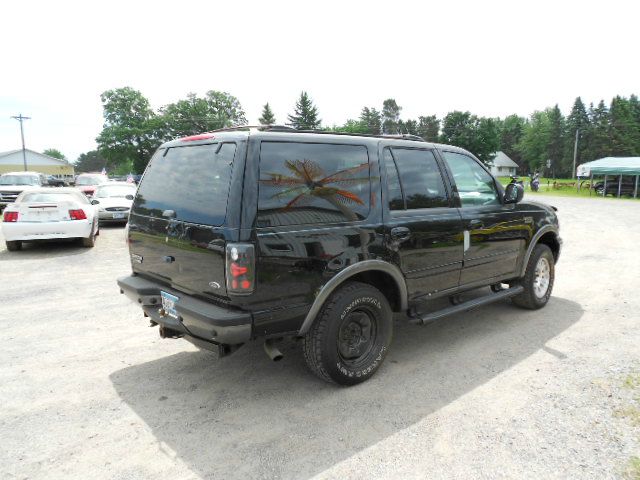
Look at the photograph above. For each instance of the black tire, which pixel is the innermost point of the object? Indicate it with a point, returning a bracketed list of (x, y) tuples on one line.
[(535, 295), (90, 241), (350, 337), (14, 245)]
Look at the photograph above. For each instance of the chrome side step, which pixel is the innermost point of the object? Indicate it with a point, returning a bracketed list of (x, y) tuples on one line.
[(466, 306)]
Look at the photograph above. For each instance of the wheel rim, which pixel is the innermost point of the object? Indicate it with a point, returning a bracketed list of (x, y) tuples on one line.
[(542, 277), (357, 336)]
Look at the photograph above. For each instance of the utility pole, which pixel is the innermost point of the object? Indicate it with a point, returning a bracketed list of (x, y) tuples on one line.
[(575, 154), (20, 118)]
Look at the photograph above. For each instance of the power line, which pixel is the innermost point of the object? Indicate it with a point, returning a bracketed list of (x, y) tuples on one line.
[(21, 118)]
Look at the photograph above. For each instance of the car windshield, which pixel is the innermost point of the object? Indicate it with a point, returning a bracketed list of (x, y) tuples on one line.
[(106, 191), (19, 180), (90, 180), (38, 197)]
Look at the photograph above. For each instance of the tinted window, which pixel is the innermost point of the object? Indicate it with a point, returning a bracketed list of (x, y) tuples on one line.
[(475, 185), (396, 199), (420, 178), (303, 183), (192, 181)]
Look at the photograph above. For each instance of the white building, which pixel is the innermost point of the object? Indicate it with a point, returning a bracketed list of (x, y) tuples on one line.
[(502, 165), (12, 161)]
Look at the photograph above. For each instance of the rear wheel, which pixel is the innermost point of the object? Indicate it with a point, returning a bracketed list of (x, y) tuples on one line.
[(14, 245), (350, 338), (538, 279), (90, 241)]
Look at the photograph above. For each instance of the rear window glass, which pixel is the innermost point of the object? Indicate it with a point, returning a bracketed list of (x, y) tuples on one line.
[(91, 180), (19, 180), (115, 191), (48, 197), (307, 183), (192, 181)]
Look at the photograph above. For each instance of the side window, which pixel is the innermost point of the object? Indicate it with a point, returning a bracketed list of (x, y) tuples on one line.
[(475, 186), (307, 183), (420, 179), (396, 199)]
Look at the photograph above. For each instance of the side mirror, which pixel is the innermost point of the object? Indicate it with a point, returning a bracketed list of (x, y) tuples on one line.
[(129, 197), (513, 193), (94, 202)]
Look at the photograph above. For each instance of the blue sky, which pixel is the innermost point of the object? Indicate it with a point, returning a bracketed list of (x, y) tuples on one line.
[(492, 58)]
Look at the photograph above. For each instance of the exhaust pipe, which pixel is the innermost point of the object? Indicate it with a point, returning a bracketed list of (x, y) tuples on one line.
[(272, 351)]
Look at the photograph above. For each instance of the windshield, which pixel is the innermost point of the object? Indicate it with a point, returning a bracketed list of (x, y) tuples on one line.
[(90, 180), (19, 180), (115, 191)]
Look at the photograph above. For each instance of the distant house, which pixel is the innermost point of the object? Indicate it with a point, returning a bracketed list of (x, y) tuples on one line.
[(13, 161), (502, 165)]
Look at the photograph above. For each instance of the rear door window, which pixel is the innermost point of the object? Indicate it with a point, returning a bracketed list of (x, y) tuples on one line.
[(420, 179), (307, 183), (193, 181)]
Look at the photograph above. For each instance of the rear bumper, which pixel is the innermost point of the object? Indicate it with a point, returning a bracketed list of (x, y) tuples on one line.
[(108, 216), (46, 230), (196, 318)]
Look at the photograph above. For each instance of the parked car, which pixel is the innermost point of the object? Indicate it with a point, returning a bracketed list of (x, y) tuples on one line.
[(114, 200), (56, 182), (44, 214), (13, 184), (270, 232), (87, 182), (626, 188)]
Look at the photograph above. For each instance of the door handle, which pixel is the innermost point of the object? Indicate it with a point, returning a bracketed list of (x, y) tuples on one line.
[(400, 233), (476, 224)]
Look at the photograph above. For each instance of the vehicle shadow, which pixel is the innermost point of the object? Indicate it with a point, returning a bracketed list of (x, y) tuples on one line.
[(245, 417), (45, 248)]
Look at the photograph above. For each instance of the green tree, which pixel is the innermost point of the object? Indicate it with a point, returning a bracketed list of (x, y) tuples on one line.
[(55, 153), (195, 115), (130, 130), (534, 142), (429, 128), (598, 142), (556, 143), (577, 121), (410, 127), (305, 116), (624, 130), (267, 118), (511, 131), (390, 116), (372, 119), (351, 126), (91, 161)]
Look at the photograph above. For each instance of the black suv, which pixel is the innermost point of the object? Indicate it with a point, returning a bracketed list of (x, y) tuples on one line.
[(268, 232)]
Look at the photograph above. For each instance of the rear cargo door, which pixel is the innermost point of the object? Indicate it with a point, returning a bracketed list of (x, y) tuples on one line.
[(176, 231)]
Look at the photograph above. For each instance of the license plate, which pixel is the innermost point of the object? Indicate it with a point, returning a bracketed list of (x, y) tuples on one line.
[(118, 215), (169, 304)]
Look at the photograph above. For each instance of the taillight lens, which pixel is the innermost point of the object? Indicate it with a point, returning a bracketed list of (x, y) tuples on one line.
[(77, 214), (240, 264), (10, 216)]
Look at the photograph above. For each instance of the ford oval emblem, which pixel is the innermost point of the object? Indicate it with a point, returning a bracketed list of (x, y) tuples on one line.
[(214, 284)]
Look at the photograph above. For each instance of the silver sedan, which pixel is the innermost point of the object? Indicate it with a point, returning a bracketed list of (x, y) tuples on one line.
[(113, 201)]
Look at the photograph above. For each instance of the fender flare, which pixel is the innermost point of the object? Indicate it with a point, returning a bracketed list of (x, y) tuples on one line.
[(534, 241), (337, 280)]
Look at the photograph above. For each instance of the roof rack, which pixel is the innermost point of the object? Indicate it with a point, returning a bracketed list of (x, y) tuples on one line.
[(286, 128)]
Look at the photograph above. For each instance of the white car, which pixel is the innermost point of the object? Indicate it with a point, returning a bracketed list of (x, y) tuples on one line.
[(114, 200), (47, 213)]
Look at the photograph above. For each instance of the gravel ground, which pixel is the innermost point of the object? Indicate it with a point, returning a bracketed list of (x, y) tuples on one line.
[(88, 391)]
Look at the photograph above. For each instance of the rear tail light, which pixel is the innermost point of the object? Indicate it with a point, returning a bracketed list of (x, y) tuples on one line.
[(10, 216), (77, 214), (240, 267)]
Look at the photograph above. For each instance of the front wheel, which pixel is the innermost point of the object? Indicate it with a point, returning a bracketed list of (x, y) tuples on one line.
[(14, 245), (538, 279), (351, 335)]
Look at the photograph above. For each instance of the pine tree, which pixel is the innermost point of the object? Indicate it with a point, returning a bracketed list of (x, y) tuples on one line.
[(390, 116), (556, 145), (372, 119), (267, 117), (511, 131), (305, 116), (577, 121), (598, 143), (624, 131), (429, 128)]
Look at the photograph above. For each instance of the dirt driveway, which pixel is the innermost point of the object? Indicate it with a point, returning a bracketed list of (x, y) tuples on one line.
[(89, 391)]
